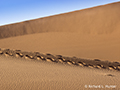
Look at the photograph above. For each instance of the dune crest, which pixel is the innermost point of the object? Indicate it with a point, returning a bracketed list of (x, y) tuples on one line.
[(96, 63), (103, 19), (32, 57)]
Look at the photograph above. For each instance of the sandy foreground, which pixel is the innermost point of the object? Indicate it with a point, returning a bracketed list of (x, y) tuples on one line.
[(21, 74)]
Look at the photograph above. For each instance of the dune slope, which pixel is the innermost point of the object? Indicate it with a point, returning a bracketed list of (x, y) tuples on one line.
[(90, 33), (104, 47), (103, 19), (20, 74), (87, 33)]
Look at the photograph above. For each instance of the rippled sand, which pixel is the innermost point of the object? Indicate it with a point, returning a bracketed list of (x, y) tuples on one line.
[(72, 51)]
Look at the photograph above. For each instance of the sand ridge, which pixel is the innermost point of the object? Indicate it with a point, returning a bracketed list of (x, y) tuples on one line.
[(96, 63), (97, 20), (89, 33), (36, 62), (103, 47)]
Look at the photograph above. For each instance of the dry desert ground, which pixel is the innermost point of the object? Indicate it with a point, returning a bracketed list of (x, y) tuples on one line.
[(79, 50)]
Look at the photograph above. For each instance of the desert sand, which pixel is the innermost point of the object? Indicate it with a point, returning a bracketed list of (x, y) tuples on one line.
[(20, 74), (104, 47), (71, 51), (98, 20)]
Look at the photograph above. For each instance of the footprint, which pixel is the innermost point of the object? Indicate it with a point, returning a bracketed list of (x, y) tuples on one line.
[(17, 55), (90, 66), (118, 67), (38, 58), (111, 75), (6, 55), (20, 54), (42, 58), (49, 60), (112, 68), (70, 63), (60, 60), (97, 60), (80, 64), (1, 52)]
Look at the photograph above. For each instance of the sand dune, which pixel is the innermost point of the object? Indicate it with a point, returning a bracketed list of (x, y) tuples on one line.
[(103, 47), (103, 19), (72, 51), (88, 33), (96, 63), (22, 74)]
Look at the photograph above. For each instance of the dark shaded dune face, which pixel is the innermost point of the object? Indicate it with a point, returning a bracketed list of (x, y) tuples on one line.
[(98, 20)]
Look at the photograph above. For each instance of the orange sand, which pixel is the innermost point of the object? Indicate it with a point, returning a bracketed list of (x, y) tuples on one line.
[(20, 74), (89, 33)]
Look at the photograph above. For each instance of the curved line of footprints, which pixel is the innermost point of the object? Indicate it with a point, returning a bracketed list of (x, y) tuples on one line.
[(96, 63)]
